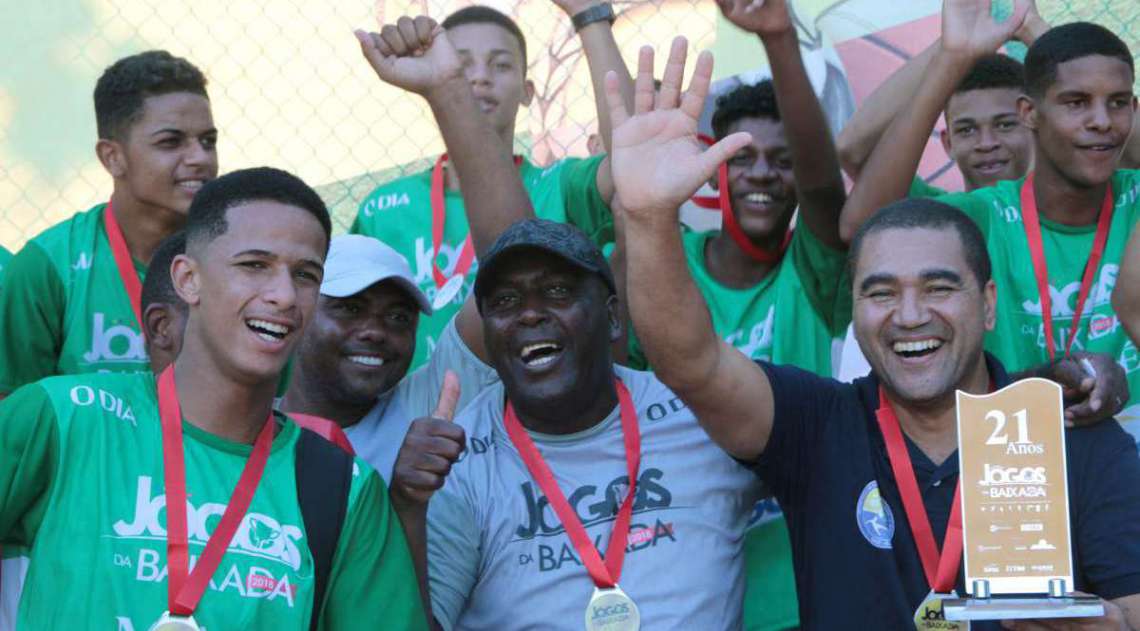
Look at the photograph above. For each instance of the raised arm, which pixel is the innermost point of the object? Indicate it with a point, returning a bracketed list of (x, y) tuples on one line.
[(658, 163), (861, 133), (415, 54), (815, 164), (1126, 295), (968, 33)]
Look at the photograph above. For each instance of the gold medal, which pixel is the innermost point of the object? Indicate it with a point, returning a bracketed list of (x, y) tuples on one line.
[(612, 610), (168, 622), (930, 617)]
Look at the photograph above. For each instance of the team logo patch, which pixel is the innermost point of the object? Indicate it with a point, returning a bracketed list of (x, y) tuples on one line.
[(874, 517)]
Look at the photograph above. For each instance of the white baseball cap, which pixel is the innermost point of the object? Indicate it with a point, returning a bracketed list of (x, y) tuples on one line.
[(356, 262)]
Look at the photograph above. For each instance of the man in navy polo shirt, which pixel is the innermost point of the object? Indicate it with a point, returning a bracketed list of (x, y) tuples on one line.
[(923, 299)]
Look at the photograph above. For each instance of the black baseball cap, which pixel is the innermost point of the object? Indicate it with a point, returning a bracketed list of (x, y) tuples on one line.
[(560, 239)]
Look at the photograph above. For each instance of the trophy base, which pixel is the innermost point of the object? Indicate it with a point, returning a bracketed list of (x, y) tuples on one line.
[(1004, 608)]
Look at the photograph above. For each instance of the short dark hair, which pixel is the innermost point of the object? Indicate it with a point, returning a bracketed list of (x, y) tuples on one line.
[(158, 288), (1066, 43), (994, 71), (126, 84), (479, 14), (926, 213), (206, 219), (744, 101)]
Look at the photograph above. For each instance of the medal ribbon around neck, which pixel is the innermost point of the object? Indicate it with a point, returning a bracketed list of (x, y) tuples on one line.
[(941, 571), (723, 203), (1032, 221), (123, 261), (439, 218), (185, 587), (605, 575)]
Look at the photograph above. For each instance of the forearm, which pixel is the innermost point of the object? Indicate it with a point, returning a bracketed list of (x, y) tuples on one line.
[(892, 165), (493, 192), (1126, 294), (815, 163), (602, 55), (862, 132)]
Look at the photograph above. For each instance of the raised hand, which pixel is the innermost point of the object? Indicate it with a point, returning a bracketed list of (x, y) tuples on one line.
[(432, 445), (968, 27), (657, 160), (413, 54), (1095, 387), (763, 17)]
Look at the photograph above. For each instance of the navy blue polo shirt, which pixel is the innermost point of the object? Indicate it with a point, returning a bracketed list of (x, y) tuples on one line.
[(856, 563)]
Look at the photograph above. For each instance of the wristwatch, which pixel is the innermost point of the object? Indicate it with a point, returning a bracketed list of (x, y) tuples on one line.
[(597, 13)]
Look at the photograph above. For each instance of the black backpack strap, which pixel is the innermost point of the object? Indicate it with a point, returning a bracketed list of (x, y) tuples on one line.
[(324, 475)]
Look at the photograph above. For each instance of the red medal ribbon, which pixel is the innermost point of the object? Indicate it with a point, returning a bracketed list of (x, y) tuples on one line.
[(185, 587), (941, 571), (723, 203), (1032, 221), (123, 261), (605, 575), (439, 218)]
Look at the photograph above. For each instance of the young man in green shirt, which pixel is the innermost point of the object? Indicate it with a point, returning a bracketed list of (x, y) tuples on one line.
[(773, 293), (256, 242), (67, 305), (1075, 210), (402, 213), (983, 135)]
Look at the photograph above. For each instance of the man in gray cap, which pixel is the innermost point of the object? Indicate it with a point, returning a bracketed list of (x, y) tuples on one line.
[(352, 364)]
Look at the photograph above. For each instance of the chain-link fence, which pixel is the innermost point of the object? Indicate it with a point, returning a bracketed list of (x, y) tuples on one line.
[(289, 88)]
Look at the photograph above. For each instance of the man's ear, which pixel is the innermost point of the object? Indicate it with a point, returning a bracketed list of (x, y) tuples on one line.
[(186, 275), (989, 296), (1027, 111), (157, 322), (112, 156), (528, 92), (613, 313), (944, 136)]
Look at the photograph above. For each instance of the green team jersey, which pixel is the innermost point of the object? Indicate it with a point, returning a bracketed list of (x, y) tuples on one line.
[(1018, 338), (81, 465), (64, 309), (399, 214), (5, 256), (810, 288), (920, 188)]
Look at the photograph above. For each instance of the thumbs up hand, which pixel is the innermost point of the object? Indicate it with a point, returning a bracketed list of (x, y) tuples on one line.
[(432, 445)]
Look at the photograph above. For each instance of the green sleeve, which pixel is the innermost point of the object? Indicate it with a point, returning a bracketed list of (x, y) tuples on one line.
[(920, 188), (822, 271), (32, 306), (372, 574), (585, 207), (976, 207), (5, 256), (29, 449)]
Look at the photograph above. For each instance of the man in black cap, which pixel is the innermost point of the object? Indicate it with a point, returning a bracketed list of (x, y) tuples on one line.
[(570, 458)]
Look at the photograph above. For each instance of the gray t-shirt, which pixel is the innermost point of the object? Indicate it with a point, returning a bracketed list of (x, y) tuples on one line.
[(499, 558), (378, 436)]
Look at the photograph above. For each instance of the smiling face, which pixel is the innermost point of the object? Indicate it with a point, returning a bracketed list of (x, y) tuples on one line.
[(920, 314), (359, 346), (493, 63), (547, 327), (252, 289), (985, 137), (165, 157), (1083, 120), (760, 181)]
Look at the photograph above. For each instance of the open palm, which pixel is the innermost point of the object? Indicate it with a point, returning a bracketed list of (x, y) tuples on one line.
[(969, 26), (415, 55), (657, 160)]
